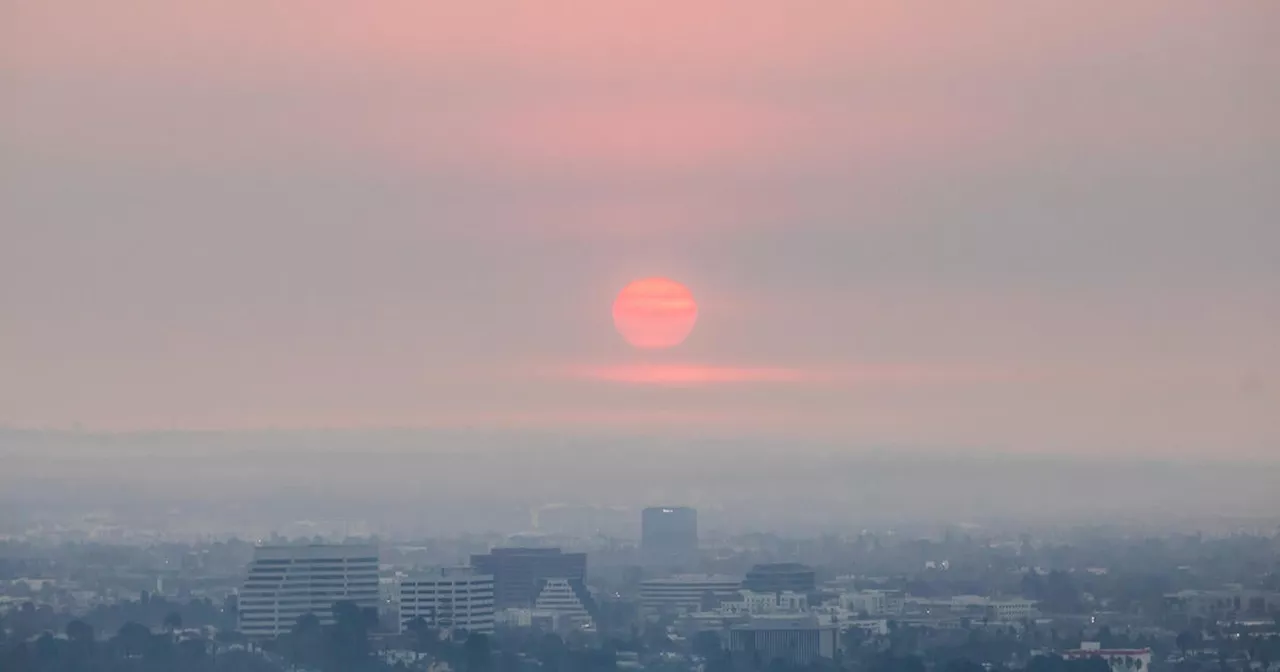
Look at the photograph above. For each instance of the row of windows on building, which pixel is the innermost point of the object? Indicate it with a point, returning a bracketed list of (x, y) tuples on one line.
[(313, 561)]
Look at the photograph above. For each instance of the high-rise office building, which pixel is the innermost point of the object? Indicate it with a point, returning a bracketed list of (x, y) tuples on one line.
[(519, 572), (286, 582), (669, 535), (452, 598)]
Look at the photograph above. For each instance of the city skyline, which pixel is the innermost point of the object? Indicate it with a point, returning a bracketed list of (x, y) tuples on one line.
[(627, 336)]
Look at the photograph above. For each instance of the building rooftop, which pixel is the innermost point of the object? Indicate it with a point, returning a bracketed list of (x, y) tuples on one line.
[(438, 573), (780, 567), (525, 550), (783, 621), (693, 578), (344, 551)]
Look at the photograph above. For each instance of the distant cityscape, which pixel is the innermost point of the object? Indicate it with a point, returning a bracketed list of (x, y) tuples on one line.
[(953, 597), (639, 336)]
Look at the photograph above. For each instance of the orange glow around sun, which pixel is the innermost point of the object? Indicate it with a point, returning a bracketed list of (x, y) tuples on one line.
[(655, 313)]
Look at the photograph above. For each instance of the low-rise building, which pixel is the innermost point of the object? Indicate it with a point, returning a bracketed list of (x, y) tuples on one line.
[(688, 592), (1224, 603), (1010, 611), (514, 617), (874, 602), (796, 640), (1119, 659), (973, 607), (752, 602)]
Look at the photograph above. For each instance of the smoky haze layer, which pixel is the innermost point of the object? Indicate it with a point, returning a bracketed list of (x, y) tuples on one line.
[(983, 224), (448, 482)]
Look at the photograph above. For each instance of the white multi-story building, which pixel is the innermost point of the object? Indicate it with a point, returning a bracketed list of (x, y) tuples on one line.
[(798, 640), (1118, 659), (452, 598), (791, 602), (687, 592), (1011, 611), (974, 607), (751, 602), (874, 602), (286, 582)]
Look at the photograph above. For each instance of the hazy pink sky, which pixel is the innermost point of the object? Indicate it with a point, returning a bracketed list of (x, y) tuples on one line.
[(1029, 227)]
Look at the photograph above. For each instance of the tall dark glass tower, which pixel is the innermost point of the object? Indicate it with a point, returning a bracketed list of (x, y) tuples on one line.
[(518, 572), (669, 535)]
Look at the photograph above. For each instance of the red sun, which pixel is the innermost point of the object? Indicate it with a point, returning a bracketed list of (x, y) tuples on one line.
[(655, 313)]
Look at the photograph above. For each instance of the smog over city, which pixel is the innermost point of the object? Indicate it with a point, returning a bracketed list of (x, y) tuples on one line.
[(755, 336)]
